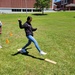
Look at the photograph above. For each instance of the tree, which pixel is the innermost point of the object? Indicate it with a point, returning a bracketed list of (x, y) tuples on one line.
[(42, 4)]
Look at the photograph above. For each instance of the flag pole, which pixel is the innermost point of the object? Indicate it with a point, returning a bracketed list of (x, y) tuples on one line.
[(26, 6)]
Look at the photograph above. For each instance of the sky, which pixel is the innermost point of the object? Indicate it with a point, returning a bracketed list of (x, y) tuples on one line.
[(57, 0)]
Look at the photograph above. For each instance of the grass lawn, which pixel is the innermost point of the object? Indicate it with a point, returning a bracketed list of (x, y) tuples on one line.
[(55, 35)]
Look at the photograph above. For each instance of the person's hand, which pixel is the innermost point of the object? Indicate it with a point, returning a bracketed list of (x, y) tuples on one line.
[(19, 20), (36, 28)]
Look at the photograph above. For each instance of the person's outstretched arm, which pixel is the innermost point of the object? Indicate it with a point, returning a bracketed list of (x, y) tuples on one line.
[(34, 29), (20, 24)]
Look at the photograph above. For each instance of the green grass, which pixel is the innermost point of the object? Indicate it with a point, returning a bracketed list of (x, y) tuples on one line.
[(55, 35)]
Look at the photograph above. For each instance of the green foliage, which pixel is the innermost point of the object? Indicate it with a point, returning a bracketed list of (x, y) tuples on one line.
[(42, 4)]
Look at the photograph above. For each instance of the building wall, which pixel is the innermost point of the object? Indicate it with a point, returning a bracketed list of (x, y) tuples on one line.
[(17, 3), (7, 6), (22, 3), (5, 3), (61, 5), (74, 1)]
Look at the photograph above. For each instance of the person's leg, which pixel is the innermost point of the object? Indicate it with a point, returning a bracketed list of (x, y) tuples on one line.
[(29, 42), (34, 41), (36, 44), (23, 50)]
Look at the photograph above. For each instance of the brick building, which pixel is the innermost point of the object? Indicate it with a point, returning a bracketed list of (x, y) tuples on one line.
[(8, 6), (64, 5)]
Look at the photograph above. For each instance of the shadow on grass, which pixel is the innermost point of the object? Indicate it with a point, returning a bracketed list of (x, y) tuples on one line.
[(26, 54), (74, 17), (39, 14), (20, 52)]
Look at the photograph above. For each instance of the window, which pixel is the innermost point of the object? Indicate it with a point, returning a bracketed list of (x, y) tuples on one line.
[(63, 2), (24, 10), (16, 10), (36, 10)]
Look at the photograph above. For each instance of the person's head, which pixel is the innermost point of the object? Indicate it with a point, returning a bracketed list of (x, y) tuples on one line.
[(29, 19)]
